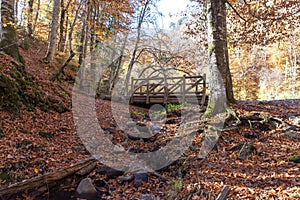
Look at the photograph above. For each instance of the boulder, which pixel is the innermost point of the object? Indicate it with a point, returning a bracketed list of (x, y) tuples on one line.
[(139, 178), (86, 190)]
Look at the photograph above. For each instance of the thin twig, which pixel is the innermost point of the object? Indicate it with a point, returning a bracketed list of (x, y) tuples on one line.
[(236, 12)]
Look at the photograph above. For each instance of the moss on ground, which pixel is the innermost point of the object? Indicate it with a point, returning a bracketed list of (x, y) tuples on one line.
[(18, 89)]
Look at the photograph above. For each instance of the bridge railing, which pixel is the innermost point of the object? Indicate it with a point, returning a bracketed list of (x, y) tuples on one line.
[(167, 88)]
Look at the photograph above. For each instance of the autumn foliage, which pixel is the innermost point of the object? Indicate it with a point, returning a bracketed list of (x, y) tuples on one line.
[(38, 135)]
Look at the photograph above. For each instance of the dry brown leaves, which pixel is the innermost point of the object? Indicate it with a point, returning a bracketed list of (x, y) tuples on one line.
[(41, 142)]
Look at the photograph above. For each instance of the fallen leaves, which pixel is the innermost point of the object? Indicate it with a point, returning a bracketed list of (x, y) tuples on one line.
[(42, 142)]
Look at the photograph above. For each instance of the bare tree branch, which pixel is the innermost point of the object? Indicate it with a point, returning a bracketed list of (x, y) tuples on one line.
[(236, 12)]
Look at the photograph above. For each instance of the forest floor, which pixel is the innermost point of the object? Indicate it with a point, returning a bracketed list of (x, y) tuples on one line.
[(38, 142)]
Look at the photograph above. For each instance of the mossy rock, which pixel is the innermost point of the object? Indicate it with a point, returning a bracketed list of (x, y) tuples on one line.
[(295, 159), (14, 92), (9, 95)]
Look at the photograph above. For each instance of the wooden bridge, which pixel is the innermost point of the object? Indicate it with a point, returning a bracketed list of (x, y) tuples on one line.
[(191, 89)]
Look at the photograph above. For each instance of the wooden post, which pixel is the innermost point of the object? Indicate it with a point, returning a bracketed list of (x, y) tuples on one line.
[(147, 98), (184, 87), (204, 90), (197, 86), (166, 94)]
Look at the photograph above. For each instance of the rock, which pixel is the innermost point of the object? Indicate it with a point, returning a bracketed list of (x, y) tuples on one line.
[(147, 197), (111, 173), (295, 159), (94, 145), (192, 148), (130, 124), (296, 120), (156, 127), (139, 135), (119, 149), (142, 128), (246, 150), (139, 178), (133, 136), (110, 130), (292, 135), (123, 179), (86, 190)]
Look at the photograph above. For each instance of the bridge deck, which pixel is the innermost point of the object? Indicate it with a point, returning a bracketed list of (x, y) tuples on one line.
[(190, 89)]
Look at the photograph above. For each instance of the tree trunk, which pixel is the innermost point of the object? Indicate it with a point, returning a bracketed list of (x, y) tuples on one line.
[(29, 18), (62, 31), (36, 16), (54, 27), (138, 37), (8, 37), (72, 27), (220, 83), (84, 42), (61, 26)]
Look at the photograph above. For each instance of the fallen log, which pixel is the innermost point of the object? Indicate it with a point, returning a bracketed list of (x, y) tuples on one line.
[(45, 179)]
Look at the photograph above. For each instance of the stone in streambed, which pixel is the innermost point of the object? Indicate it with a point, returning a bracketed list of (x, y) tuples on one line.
[(139, 178), (86, 190)]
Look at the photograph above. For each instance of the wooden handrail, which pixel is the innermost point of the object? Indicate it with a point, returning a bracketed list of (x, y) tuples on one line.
[(160, 87), (159, 78)]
